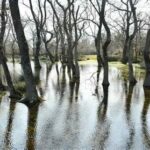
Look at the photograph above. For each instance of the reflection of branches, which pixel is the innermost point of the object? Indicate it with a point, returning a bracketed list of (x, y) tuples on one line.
[(33, 112), (56, 86), (77, 90), (9, 126), (72, 86), (144, 115), (49, 68), (38, 81), (102, 110), (63, 82)]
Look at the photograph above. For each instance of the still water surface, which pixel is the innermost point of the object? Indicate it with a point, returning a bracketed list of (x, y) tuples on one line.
[(74, 116)]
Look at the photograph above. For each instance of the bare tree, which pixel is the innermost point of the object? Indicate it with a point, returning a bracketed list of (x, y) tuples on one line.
[(132, 79), (98, 11), (39, 23), (2, 56), (102, 58), (130, 29), (46, 41), (126, 10), (57, 38), (31, 92), (61, 31)]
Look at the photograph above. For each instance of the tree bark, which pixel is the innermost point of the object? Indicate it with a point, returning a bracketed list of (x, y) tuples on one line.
[(124, 55), (2, 56), (51, 57), (97, 45), (2, 87), (105, 47), (37, 52), (132, 79), (147, 60), (31, 92)]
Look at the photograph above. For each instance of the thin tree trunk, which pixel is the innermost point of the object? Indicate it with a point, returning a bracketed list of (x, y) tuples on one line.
[(62, 38), (13, 52), (38, 37), (2, 56), (132, 79), (51, 57), (37, 51), (56, 51), (2, 87), (7, 74), (98, 46), (124, 55)]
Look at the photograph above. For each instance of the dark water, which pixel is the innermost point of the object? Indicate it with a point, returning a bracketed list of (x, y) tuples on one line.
[(74, 117)]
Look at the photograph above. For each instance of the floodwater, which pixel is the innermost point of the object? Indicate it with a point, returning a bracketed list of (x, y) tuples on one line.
[(73, 116)]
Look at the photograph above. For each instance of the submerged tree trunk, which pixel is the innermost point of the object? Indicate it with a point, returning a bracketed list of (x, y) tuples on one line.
[(147, 60), (31, 92), (132, 79), (124, 55)]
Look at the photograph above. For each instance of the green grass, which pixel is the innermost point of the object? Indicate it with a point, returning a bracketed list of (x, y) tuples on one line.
[(87, 57), (2, 93), (139, 72), (20, 86)]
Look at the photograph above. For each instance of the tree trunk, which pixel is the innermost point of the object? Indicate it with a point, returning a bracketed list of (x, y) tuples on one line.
[(51, 57), (2, 87), (31, 92), (77, 69), (147, 60), (38, 37), (105, 47), (62, 38), (36, 53), (97, 45), (2, 56), (56, 51), (7, 74), (132, 79), (124, 59), (13, 52)]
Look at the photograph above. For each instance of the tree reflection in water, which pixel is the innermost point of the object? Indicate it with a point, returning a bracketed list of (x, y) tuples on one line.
[(72, 117), (145, 129), (128, 116)]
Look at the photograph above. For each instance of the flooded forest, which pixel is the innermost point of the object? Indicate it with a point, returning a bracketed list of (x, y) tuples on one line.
[(74, 75)]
